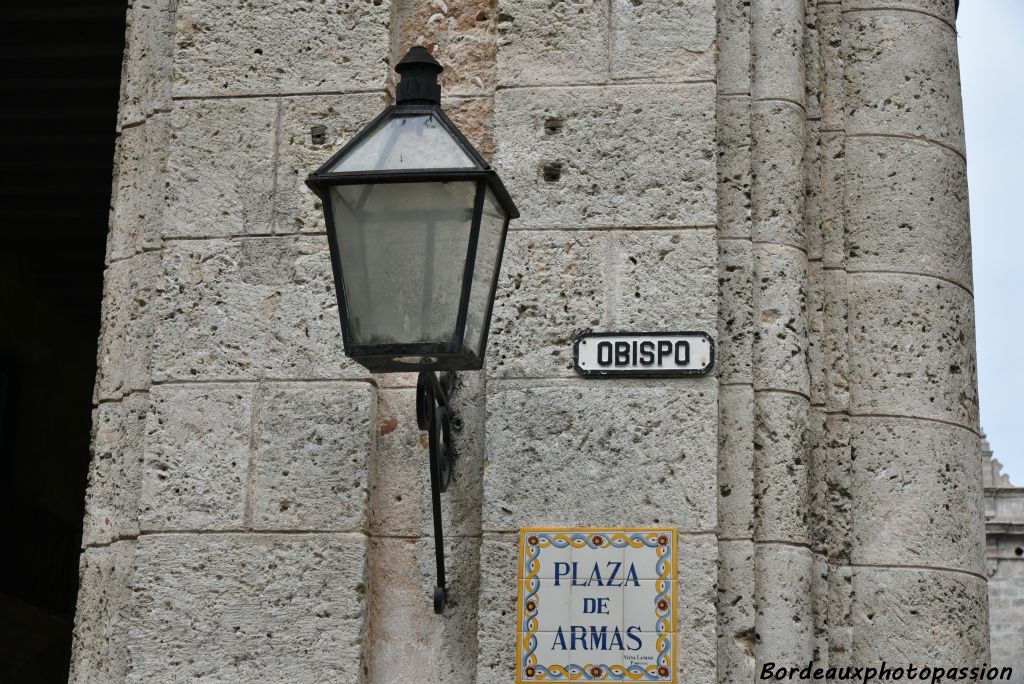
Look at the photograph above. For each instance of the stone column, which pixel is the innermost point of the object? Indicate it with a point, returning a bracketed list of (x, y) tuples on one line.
[(918, 580)]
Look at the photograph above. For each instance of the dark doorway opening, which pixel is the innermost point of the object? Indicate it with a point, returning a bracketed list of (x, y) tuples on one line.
[(60, 69)]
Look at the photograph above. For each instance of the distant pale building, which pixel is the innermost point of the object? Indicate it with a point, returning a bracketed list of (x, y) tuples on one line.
[(1004, 532)]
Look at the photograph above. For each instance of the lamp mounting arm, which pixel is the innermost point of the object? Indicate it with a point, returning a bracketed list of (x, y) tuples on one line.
[(434, 414)]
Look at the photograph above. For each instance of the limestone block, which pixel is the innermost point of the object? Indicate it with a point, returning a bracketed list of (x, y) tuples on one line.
[(232, 607), (734, 346), (408, 642), (146, 71), (917, 494), (220, 168), (833, 468), (893, 90), (548, 43), (312, 442), (496, 631), (400, 502), (639, 155), (736, 637), (777, 50), (736, 461), (115, 470), (918, 616), (673, 40), (127, 326), (907, 209), (734, 172), (784, 618), (698, 616), (840, 612), (665, 280), (943, 9), (196, 458), (250, 308), (779, 130), (474, 117), (780, 319), (138, 192), (816, 332), (817, 483), (833, 200), (830, 30), (296, 208), (812, 63), (645, 453), (814, 239), (552, 286), (461, 36), (266, 47), (99, 649), (781, 467), (912, 348), (734, 47), (834, 340), (821, 607)]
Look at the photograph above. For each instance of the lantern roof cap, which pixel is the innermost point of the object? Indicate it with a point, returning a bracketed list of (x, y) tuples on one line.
[(419, 72)]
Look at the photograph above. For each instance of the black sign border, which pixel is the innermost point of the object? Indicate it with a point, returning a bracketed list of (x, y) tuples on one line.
[(675, 373)]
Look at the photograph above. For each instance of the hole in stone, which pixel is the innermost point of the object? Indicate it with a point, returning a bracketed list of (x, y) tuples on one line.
[(1019, 551), (552, 172), (318, 134), (553, 126)]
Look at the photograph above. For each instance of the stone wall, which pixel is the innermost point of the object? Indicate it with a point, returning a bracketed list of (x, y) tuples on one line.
[(1004, 533), (787, 175)]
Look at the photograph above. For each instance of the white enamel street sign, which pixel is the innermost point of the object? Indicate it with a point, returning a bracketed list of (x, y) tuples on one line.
[(638, 354), (597, 605)]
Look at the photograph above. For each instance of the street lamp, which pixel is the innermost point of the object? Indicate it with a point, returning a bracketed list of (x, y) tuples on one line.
[(416, 221)]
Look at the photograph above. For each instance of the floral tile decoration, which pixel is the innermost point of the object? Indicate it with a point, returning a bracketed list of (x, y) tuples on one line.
[(597, 605)]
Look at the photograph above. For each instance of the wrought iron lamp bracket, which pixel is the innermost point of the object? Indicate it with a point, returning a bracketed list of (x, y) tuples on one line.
[(434, 414)]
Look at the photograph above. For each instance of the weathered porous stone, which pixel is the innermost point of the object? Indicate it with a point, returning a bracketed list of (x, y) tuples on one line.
[(734, 345), (266, 47), (99, 650), (296, 208), (736, 461), (918, 616), (572, 36), (146, 72), (648, 292), (778, 132), (893, 90), (830, 31), (833, 200), (624, 156), (672, 40), (781, 443), (907, 209), (312, 442), (552, 286), (912, 348), (697, 629), (736, 636), (943, 9), (247, 309), (232, 607), (408, 642), (916, 494), (834, 340), (220, 168), (734, 170), (127, 326), (115, 471), (777, 50), (780, 319), (197, 457), (733, 40), (783, 622), (496, 634), (137, 204), (644, 453), (833, 468)]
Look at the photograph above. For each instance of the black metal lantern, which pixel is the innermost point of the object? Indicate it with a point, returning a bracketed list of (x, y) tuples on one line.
[(416, 221)]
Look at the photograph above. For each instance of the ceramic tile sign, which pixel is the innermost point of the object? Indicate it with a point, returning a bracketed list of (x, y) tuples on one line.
[(597, 605)]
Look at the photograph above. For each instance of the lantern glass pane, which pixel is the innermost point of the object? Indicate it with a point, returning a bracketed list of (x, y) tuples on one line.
[(485, 270), (406, 142), (403, 253)]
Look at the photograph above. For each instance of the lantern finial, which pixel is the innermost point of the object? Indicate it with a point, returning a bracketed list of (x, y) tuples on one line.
[(419, 72)]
